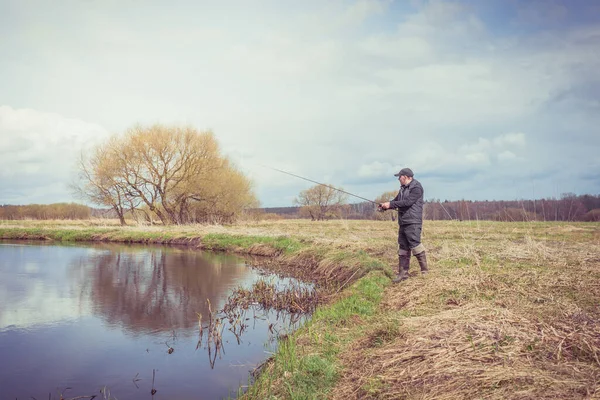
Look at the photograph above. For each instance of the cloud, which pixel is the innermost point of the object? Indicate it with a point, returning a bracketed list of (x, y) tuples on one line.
[(510, 140), (357, 12), (343, 91), (38, 153), (506, 156), (452, 162), (472, 156), (374, 169)]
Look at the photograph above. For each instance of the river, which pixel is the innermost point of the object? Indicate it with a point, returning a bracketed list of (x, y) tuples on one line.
[(121, 321)]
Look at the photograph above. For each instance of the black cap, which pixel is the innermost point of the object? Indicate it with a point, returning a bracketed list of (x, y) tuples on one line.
[(406, 172)]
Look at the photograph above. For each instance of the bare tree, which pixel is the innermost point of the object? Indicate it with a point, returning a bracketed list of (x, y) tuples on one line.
[(176, 174), (98, 181), (321, 202)]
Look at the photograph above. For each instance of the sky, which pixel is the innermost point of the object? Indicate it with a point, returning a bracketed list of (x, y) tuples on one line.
[(482, 99)]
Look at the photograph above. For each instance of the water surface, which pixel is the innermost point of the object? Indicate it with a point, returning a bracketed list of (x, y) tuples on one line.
[(88, 317)]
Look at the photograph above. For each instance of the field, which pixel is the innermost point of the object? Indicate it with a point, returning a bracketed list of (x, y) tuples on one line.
[(509, 310)]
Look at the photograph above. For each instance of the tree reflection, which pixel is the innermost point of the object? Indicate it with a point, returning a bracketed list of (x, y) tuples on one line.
[(155, 289)]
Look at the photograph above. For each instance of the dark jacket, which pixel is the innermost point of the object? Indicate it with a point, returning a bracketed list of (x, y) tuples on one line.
[(409, 203)]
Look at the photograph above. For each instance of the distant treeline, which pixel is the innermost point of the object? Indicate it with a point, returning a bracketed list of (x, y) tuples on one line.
[(569, 207), (45, 211)]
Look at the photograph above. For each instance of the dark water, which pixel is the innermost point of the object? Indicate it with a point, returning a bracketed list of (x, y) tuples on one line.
[(104, 316)]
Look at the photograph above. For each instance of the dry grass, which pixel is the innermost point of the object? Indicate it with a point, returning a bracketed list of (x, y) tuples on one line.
[(476, 351), (511, 313)]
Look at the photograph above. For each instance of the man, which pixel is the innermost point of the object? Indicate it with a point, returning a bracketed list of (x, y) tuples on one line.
[(409, 203)]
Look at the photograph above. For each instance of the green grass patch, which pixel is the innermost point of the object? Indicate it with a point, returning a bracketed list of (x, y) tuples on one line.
[(88, 234), (211, 241), (373, 388), (310, 370), (357, 259), (219, 241), (66, 235)]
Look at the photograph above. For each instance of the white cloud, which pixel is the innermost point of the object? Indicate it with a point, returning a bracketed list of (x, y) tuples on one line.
[(506, 155), (357, 12), (374, 169), (468, 157), (510, 140), (38, 153), (404, 51), (482, 145), (477, 158)]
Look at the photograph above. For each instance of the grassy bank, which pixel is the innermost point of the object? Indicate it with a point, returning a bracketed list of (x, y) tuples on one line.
[(509, 310)]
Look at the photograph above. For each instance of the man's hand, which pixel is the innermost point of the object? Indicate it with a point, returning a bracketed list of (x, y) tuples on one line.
[(385, 206)]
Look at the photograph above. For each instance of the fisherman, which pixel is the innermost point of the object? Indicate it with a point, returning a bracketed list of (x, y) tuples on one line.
[(409, 203)]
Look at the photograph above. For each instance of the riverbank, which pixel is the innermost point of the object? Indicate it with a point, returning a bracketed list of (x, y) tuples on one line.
[(509, 310)]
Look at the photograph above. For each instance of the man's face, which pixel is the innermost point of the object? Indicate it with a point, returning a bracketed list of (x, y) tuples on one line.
[(403, 179)]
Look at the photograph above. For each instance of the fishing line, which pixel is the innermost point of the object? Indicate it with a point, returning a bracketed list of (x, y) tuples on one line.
[(318, 183)]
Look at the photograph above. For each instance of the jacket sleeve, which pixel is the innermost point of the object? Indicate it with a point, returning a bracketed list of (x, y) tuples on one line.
[(414, 195)]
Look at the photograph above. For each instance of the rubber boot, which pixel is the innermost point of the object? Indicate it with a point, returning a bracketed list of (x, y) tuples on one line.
[(403, 266), (422, 258)]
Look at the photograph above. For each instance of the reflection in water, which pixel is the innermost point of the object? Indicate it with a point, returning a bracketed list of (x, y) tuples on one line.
[(33, 290), (294, 300), (155, 290), (113, 317)]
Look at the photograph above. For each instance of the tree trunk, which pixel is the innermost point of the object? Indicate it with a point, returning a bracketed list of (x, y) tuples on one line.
[(120, 214)]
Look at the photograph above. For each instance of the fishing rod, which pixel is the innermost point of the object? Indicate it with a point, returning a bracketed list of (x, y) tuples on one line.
[(322, 184), (340, 190)]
